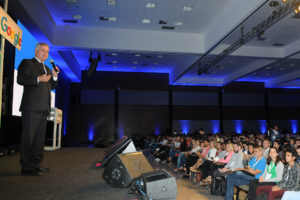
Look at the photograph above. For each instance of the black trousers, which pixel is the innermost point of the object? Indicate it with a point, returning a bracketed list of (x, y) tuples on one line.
[(33, 138), (253, 184)]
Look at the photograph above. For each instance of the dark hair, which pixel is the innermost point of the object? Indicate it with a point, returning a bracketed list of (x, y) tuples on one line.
[(269, 159), (292, 151)]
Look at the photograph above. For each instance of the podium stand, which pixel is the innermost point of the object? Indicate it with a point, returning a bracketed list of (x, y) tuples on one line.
[(56, 117)]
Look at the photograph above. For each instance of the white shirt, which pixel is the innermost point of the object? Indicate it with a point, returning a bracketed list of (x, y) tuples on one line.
[(54, 77)]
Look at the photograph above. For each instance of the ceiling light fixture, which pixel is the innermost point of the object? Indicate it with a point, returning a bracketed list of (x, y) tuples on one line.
[(114, 54), (111, 2), (112, 19), (114, 61), (137, 55), (77, 16), (146, 21), (150, 5), (178, 23), (273, 4), (187, 8)]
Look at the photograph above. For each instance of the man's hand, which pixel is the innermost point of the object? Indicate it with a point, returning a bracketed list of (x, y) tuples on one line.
[(275, 188), (261, 179), (44, 78), (54, 72)]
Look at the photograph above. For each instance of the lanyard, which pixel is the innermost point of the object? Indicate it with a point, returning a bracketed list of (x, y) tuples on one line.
[(272, 164), (256, 163)]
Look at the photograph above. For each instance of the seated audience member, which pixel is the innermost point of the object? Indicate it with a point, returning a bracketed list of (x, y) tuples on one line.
[(292, 142), (181, 160), (272, 174), (297, 144), (207, 170), (290, 179), (175, 148), (236, 161), (298, 151), (266, 147), (259, 142), (192, 158), (242, 176), (210, 156), (277, 145), (250, 154)]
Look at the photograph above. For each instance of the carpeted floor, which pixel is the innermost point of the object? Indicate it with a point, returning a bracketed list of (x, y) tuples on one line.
[(73, 176)]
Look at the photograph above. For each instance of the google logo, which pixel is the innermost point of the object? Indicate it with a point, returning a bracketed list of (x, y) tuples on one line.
[(10, 32)]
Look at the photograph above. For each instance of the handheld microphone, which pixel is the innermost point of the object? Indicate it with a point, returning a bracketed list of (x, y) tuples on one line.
[(54, 66)]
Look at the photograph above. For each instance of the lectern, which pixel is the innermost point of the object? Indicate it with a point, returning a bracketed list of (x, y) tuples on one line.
[(56, 117)]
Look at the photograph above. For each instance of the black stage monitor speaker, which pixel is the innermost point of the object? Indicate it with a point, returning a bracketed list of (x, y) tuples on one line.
[(118, 147), (158, 185), (123, 168)]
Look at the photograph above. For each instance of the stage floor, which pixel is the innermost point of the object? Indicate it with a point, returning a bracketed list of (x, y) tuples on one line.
[(73, 176)]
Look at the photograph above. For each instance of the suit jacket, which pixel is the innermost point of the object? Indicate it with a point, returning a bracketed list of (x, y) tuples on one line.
[(36, 96)]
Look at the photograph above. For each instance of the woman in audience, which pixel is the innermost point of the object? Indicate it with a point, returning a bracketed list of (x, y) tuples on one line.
[(181, 160), (209, 158), (290, 179), (192, 158), (216, 164), (272, 174)]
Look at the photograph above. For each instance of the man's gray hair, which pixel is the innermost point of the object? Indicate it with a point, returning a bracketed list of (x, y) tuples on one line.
[(40, 44)]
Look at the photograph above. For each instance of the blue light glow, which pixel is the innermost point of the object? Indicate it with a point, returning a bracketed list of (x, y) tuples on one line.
[(294, 126), (91, 133), (157, 129), (262, 125), (121, 130), (194, 84), (238, 126), (185, 126), (215, 126)]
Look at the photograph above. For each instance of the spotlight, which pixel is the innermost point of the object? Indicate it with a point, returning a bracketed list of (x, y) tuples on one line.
[(273, 4), (297, 9), (93, 64), (284, 1)]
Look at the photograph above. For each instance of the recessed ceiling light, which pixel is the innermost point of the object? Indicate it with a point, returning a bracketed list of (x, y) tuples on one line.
[(114, 61), (150, 5), (135, 62), (133, 67), (71, 1), (146, 21), (77, 16), (187, 8), (160, 56), (137, 55), (114, 54), (282, 68), (111, 2), (178, 23), (292, 65), (112, 19), (268, 68)]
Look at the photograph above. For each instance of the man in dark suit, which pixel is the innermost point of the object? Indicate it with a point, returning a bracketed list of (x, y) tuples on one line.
[(35, 107)]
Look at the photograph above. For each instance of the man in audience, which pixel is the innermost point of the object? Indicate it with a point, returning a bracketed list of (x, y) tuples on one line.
[(275, 134), (290, 179), (242, 176), (266, 147)]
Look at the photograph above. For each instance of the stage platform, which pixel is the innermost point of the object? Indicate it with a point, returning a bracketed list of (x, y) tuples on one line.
[(73, 176)]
